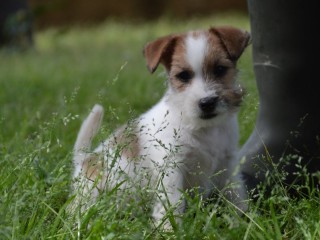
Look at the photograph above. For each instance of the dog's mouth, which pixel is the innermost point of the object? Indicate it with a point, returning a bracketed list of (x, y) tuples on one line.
[(208, 115)]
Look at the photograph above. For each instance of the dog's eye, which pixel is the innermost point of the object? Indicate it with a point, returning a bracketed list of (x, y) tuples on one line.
[(185, 76), (220, 71)]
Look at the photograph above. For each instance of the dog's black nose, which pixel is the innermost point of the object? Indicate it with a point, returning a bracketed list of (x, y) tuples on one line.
[(208, 104)]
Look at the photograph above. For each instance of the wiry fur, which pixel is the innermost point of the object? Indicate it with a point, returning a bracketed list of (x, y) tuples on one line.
[(177, 144)]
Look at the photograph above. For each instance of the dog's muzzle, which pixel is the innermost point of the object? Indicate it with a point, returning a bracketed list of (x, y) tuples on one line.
[(207, 106)]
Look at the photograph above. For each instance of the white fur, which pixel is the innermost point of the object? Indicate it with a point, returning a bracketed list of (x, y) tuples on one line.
[(195, 51), (173, 139), (88, 130)]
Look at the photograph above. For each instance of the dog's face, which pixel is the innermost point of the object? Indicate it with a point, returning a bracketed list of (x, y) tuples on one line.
[(201, 66)]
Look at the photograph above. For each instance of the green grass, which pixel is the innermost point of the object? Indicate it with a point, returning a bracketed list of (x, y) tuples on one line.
[(44, 95)]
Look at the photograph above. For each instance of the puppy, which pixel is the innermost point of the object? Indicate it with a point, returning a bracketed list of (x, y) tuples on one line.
[(188, 139)]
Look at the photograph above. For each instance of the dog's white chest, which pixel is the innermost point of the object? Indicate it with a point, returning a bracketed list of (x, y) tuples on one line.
[(210, 152), (199, 153)]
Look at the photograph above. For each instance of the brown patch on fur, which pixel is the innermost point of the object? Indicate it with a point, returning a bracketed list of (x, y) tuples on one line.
[(126, 141), (169, 51), (159, 51), (215, 57), (227, 44), (233, 40), (233, 97), (92, 167), (179, 64)]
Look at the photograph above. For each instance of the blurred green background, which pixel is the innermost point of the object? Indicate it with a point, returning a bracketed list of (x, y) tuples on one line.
[(83, 59)]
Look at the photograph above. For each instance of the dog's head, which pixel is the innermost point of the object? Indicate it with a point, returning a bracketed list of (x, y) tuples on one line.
[(201, 68)]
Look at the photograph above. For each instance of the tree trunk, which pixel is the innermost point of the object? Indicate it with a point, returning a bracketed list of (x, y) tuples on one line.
[(284, 43)]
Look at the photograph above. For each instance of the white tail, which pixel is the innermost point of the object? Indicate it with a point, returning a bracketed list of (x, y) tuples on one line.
[(88, 130)]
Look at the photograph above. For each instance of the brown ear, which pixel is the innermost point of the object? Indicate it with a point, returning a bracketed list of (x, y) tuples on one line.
[(160, 50), (233, 39)]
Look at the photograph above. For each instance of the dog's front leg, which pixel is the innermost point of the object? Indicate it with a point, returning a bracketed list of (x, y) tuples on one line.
[(169, 204), (237, 194)]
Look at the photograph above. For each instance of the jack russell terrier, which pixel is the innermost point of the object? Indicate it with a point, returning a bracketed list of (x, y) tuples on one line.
[(189, 139)]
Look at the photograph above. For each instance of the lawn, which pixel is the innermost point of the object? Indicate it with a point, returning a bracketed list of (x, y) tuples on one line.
[(46, 92)]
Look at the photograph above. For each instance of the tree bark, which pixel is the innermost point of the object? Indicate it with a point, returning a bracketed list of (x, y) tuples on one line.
[(284, 43)]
